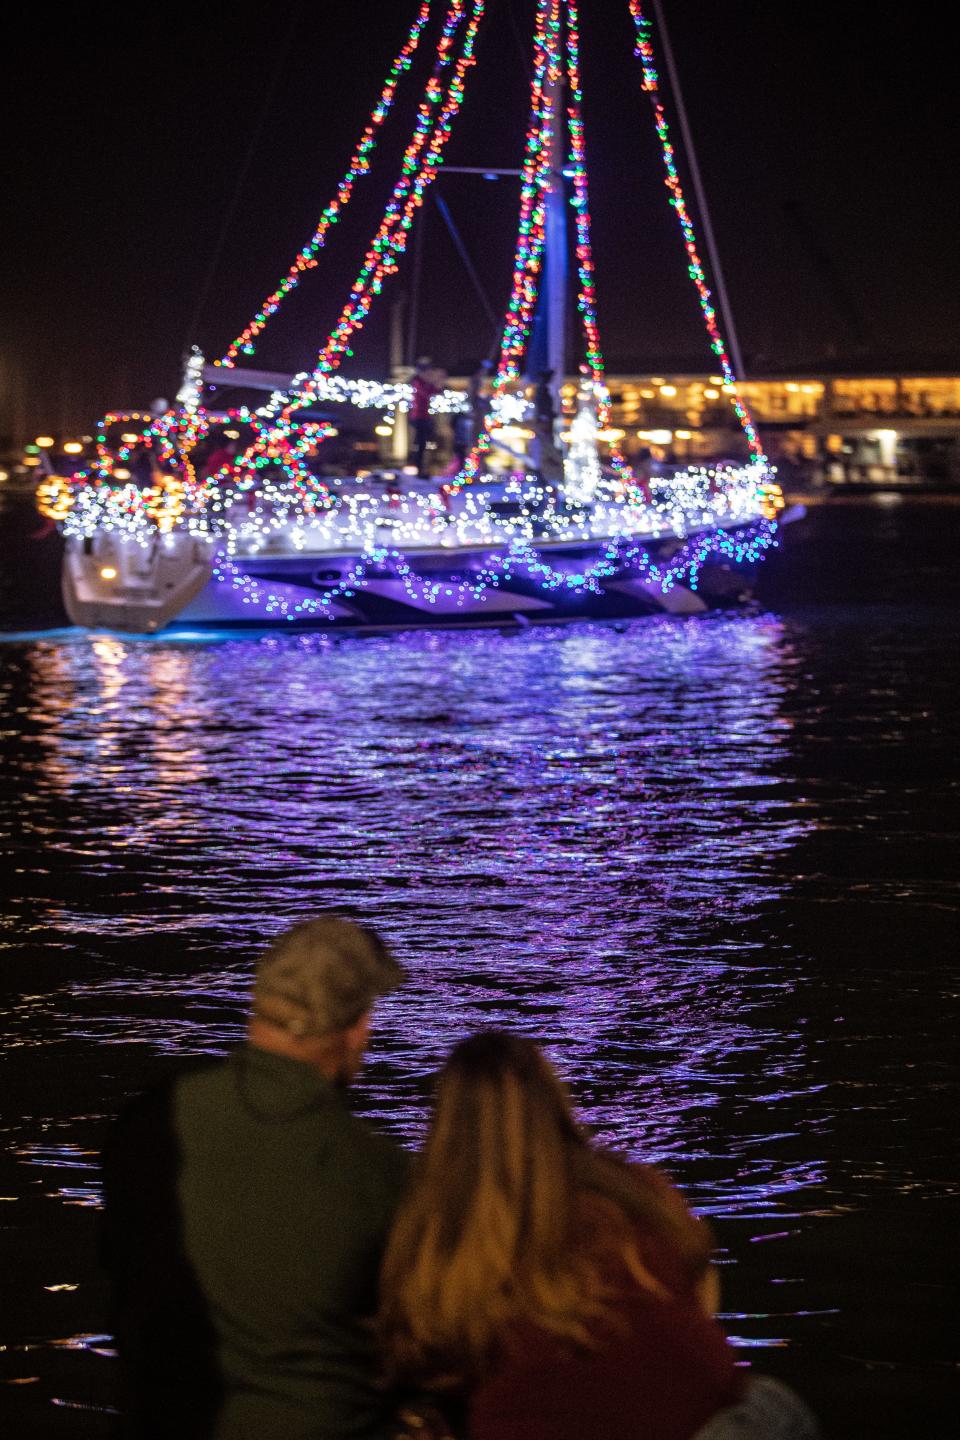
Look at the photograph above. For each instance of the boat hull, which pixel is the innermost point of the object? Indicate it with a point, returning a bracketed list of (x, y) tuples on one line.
[(304, 592), (181, 582), (117, 584)]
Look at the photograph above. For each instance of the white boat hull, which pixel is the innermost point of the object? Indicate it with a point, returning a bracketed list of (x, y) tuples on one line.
[(119, 584), (115, 583)]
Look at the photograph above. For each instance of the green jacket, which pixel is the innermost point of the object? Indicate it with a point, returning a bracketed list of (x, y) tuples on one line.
[(287, 1200)]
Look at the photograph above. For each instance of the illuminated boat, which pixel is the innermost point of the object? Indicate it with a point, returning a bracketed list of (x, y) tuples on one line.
[(559, 531)]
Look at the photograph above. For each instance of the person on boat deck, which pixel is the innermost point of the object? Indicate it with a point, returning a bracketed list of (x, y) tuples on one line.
[(544, 403), (464, 436), (481, 398), (642, 467), (247, 1211), (223, 453), (549, 460), (421, 421), (549, 1289), (141, 464)]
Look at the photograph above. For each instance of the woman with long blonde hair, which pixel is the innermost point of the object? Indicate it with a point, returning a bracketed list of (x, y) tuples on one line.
[(555, 1290)]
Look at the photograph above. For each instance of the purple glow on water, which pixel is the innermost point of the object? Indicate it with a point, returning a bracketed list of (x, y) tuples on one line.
[(683, 854), (545, 825)]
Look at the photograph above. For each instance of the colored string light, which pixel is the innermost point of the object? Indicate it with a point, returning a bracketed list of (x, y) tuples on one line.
[(306, 258), (620, 559), (587, 295), (419, 168), (633, 489), (531, 231), (651, 85), (269, 495), (535, 183), (421, 162)]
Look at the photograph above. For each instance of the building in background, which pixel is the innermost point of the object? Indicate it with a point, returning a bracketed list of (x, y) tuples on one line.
[(871, 428)]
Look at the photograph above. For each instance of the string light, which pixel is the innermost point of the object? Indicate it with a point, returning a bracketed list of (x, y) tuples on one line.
[(268, 495), (419, 167), (622, 559), (587, 297), (651, 85), (306, 258), (421, 161), (531, 232)]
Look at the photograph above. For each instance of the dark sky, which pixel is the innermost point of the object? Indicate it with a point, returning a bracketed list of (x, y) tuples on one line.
[(825, 132)]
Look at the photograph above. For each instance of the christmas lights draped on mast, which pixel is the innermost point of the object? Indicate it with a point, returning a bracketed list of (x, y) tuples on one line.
[(577, 538), (551, 318)]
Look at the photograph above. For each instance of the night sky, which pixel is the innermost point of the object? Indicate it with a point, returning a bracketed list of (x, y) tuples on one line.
[(166, 162)]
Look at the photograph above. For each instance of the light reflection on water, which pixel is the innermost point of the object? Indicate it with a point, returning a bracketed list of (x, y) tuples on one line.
[(582, 834), (543, 824)]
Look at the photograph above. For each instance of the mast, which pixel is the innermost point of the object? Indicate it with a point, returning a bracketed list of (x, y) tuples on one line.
[(547, 346), (556, 266)]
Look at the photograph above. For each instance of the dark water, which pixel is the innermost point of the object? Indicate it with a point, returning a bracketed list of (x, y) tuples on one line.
[(710, 863)]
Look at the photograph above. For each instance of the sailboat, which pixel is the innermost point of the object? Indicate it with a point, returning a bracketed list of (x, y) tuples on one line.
[(551, 531)]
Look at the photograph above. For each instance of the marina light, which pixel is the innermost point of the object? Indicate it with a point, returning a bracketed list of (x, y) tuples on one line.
[(511, 433), (130, 439), (231, 434), (108, 573), (122, 474), (4, 475), (73, 447), (383, 429), (31, 460), (45, 442), (711, 394), (668, 390)]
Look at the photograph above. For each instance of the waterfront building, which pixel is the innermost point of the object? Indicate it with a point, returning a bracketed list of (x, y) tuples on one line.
[(865, 427), (869, 427)]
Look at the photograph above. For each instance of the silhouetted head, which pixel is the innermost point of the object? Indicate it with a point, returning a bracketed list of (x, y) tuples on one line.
[(314, 992)]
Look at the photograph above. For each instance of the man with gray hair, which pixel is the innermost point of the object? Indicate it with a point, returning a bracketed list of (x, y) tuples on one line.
[(282, 1200)]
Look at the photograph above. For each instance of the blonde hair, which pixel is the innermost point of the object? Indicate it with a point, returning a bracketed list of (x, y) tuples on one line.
[(512, 1217)]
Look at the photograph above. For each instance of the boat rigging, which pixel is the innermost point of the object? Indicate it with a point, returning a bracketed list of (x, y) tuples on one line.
[(554, 530)]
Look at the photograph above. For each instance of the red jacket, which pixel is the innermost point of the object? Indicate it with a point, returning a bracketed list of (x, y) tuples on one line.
[(661, 1372), (423, 393)]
